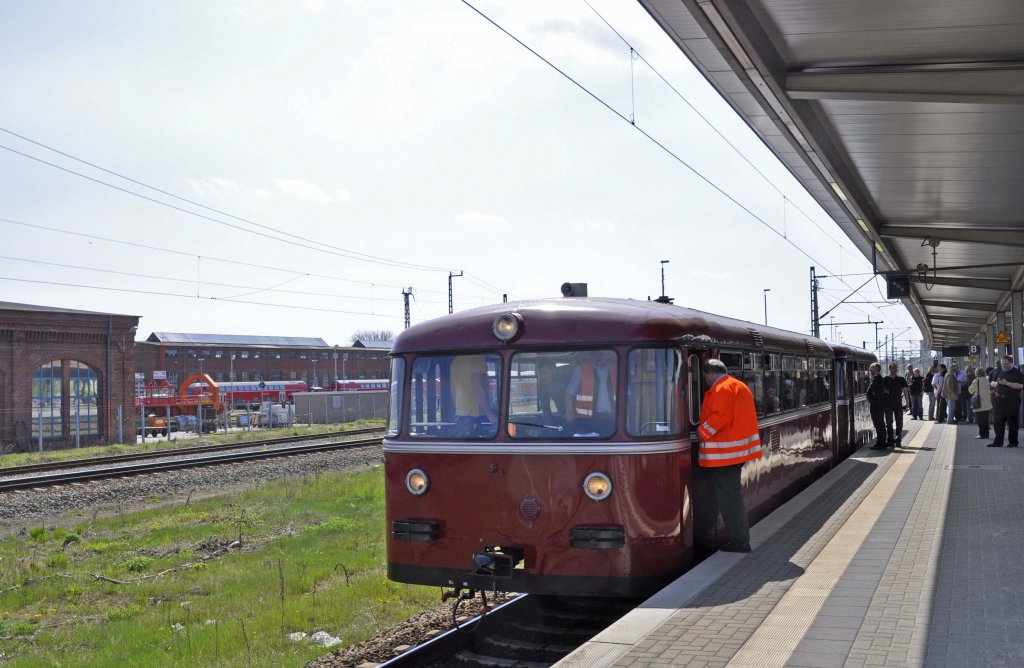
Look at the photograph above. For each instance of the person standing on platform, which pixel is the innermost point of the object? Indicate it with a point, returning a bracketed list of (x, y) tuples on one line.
[(929, 389), (940, 403), (729, 437), (916, 382), (951, 393), (877, 401), (1007, 385), (981, 395), (896, 392)]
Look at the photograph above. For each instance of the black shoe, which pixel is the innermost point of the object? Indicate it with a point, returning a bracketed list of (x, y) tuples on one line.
[(995, 445), (977, 437), (1012, 445), (878, 447), (735, 547)]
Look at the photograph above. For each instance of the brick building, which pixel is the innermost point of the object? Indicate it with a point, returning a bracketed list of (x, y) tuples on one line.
[(250, 358), (66, 377)]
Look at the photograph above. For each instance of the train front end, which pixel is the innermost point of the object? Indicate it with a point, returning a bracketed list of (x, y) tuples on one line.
[(538, 448)]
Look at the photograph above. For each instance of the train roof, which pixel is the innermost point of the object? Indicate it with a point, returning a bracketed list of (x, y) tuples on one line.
[(592, 321)]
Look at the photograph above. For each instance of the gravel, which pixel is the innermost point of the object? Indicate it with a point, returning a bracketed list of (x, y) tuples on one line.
[(413, 631), (24, 508)]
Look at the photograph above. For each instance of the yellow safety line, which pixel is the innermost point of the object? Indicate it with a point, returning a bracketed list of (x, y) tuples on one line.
[(785, 626)]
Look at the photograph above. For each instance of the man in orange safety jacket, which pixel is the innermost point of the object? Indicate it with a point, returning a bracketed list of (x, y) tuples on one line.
[(729, 437)]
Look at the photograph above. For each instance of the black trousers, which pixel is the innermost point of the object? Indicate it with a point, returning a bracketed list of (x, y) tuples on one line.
[(723, 495), (894, 424), (940, 413), (1004, 418), (878, 421), (982, 418)]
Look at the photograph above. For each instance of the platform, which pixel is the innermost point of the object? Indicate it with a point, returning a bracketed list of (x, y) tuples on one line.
[(905, 558)]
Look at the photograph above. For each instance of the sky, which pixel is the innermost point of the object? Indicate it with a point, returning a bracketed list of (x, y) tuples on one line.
[(290, 168)]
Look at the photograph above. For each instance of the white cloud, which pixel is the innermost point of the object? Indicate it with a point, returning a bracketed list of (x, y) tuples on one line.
[(480, 218), (592, 225), (304, 190)]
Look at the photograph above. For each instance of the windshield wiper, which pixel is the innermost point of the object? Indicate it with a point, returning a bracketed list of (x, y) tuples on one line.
[(537, 424)]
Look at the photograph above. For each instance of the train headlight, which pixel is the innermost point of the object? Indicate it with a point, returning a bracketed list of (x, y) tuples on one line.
[(597, 486), (417, 482), (507, 326)]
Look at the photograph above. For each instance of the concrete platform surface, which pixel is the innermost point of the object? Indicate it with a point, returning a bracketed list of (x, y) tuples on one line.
[(905, 558)]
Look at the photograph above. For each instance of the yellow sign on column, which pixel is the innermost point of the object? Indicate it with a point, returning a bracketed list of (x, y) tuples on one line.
[(1001, 337)]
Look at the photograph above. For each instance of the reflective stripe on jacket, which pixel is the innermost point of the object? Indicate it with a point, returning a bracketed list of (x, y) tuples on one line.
[(586, 395), (728, 428)]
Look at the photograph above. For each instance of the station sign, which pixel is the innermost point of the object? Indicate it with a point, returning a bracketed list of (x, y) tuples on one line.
[(159, 375), (959, 351)]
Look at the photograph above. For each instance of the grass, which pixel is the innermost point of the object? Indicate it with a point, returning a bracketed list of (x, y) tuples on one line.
[(23, 458), (215, 583)]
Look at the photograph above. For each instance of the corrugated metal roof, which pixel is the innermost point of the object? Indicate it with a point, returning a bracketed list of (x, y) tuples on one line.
[(236, 340), (371, 343), (11, 306)]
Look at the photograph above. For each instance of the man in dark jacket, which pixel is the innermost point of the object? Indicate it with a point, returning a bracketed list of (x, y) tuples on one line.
[(896, 392), (1007, 384), (878, 399)]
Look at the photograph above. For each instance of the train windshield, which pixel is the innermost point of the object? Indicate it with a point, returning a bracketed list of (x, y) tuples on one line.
[(455, 396), (563, 395), (655, 385)]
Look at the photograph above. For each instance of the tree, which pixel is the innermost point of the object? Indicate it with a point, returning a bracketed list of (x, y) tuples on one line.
[(373, 335)]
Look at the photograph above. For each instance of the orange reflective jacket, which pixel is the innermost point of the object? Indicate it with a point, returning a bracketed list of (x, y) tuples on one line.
[(728, 428)]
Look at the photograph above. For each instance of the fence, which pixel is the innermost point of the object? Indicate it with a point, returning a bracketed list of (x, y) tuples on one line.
[(334, 407)]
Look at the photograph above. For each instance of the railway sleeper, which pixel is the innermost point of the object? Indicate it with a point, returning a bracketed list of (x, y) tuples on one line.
[(547, 634), (467, 659), (522, 650)]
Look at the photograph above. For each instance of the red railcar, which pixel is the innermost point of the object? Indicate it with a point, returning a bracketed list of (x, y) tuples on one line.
[(372, 385), (497, 480), (241, 393)]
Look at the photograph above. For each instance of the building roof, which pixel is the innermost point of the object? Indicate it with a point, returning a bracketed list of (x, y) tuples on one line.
[(11, 306), (370, 343), (184, 338)]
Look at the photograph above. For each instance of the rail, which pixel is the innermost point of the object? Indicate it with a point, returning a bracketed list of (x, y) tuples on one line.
[(47, 480)]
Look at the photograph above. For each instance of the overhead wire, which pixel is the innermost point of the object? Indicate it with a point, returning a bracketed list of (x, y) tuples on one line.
[(318, 246), (193, 255), (597, 98)]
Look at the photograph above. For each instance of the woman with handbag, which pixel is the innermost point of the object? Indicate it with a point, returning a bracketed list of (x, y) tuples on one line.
[(981, 401)]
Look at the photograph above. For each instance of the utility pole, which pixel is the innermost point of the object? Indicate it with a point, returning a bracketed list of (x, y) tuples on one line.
[(406, 293), (815, 329), (450, 277), (766, 291), (663, 263)]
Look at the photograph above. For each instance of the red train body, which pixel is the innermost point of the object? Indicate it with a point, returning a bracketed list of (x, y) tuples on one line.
[(509, 493), (250, 393)]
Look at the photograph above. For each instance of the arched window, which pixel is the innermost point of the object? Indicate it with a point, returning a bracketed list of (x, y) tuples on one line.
[(47, 391), (83, 404), (65, 401)]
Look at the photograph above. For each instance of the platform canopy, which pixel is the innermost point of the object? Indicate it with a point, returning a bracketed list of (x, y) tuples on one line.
[(904, 119)]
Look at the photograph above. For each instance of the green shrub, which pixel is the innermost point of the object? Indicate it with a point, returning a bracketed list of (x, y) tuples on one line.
[(123, 612), (58, 560), (71, 538), (38, 534), (138, 563)]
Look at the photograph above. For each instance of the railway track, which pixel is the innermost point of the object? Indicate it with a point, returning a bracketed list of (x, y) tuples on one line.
[(526, 632), (11, 471), (220, 458)]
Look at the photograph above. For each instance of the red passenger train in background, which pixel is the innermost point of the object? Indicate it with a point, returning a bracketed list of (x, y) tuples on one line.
[(496, 479), (248, 393)]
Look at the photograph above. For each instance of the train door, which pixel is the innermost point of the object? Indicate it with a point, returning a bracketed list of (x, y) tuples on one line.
[(840, 411), (703, 526)]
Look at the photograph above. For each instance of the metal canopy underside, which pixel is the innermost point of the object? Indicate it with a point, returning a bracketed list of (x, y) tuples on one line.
[(913, 109)]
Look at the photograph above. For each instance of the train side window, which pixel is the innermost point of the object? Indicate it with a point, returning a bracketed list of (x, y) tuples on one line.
[(654, 388), (771, 375), (824, 379), (396, 396), (788, 383), (839, 380), (813, 381), (695, 394), (753, 365)]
